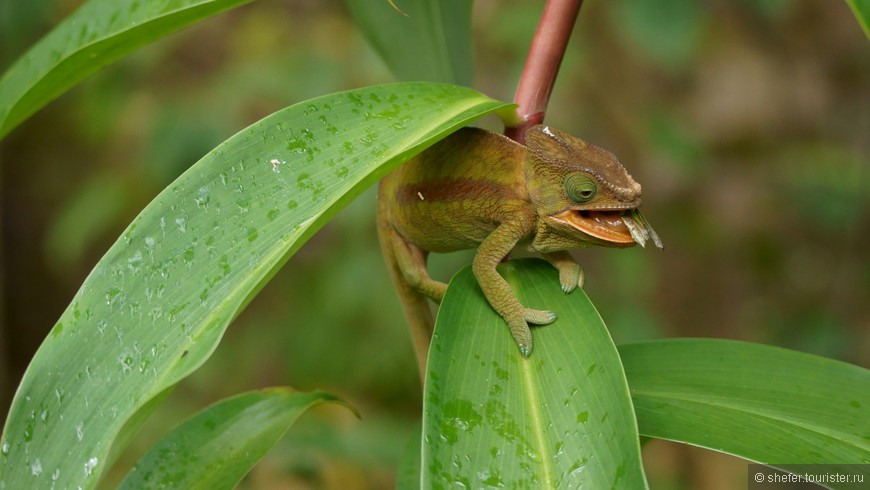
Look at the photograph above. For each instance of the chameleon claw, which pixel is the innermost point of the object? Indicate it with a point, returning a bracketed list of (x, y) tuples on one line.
[(522, 336), (570, 276), (526, 351)]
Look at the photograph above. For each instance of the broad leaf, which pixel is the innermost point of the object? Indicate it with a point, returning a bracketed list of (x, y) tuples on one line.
[(216, 448), (98, 33), (427, 40), (561, 418), (762, 403), (158, 302)]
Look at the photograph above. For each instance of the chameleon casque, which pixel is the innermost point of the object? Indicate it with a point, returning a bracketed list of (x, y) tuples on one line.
[(481, 189)]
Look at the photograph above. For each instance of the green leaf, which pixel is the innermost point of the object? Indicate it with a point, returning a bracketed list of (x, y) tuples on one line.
[(217, 447), (861, 9), (762, 403), (97, 34), (427, 40), (561, 418), (158, 302)]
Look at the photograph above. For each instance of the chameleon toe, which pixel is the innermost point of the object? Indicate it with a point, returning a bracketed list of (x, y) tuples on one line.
[(522, 336), (539, 317)]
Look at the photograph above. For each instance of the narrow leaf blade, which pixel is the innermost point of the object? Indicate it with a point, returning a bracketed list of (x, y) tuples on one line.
[(97, 34), (762, 403), (561, 418), (427, 40), (158, 302), (861, 10), (216, 448)]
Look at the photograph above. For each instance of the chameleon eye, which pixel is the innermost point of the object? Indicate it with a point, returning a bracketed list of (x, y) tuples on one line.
[(579, 188)]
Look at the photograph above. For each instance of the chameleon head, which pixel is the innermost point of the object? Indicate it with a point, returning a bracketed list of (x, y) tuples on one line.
[(582, 194)]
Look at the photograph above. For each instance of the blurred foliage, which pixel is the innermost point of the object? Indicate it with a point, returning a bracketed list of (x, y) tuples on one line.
[(747, 123)]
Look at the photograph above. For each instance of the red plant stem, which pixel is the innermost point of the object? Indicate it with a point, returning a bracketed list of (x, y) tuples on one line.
[(542, 64)]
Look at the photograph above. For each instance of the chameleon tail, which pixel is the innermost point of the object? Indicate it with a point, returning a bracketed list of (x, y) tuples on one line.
[(415, 303)]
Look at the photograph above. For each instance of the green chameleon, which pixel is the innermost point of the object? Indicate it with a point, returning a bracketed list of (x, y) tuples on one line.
[(480, 189)]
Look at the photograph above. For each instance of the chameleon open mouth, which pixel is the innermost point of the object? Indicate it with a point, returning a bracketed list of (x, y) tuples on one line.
[(604, 225), (622, 227)]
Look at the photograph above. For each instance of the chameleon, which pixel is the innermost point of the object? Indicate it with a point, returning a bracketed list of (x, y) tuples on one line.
[(477, 188)]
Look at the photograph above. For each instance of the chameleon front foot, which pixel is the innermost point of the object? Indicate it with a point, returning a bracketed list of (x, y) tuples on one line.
[(522, 336), (539, 317), (571, 277), (570, 273)]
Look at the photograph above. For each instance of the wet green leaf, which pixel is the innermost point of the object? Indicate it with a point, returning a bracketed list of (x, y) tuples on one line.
[(158, 302), (762, 403), (561, 418), (427, 40), (97, 34), (216, 448)]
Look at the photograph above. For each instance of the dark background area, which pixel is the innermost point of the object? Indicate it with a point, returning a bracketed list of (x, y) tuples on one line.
[(747, 122)]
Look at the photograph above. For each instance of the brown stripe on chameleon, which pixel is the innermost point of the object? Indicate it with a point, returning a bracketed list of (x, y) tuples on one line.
[(464, 190)]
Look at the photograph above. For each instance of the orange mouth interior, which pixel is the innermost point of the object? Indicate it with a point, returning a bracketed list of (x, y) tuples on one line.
[(601, 224)]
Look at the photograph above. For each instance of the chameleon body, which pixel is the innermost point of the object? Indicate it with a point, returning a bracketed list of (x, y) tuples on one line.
[(480, 189)]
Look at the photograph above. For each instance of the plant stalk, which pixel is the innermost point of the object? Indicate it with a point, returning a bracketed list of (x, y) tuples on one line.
[(542, 65)]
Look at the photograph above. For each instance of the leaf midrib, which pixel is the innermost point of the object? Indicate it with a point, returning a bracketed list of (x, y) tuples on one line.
[(533, 404)]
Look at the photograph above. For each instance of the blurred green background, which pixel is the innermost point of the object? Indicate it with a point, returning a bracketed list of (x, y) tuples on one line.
[(747, 122)]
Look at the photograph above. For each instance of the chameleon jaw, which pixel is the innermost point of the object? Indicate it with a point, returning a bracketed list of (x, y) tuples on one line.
[(615, 227), (605, 225)]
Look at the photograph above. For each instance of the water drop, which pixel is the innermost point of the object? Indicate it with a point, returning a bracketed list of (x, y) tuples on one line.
[(126, 362), (90, 465), (202, 198), (296, 146), (134, 262), (187, 256)]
